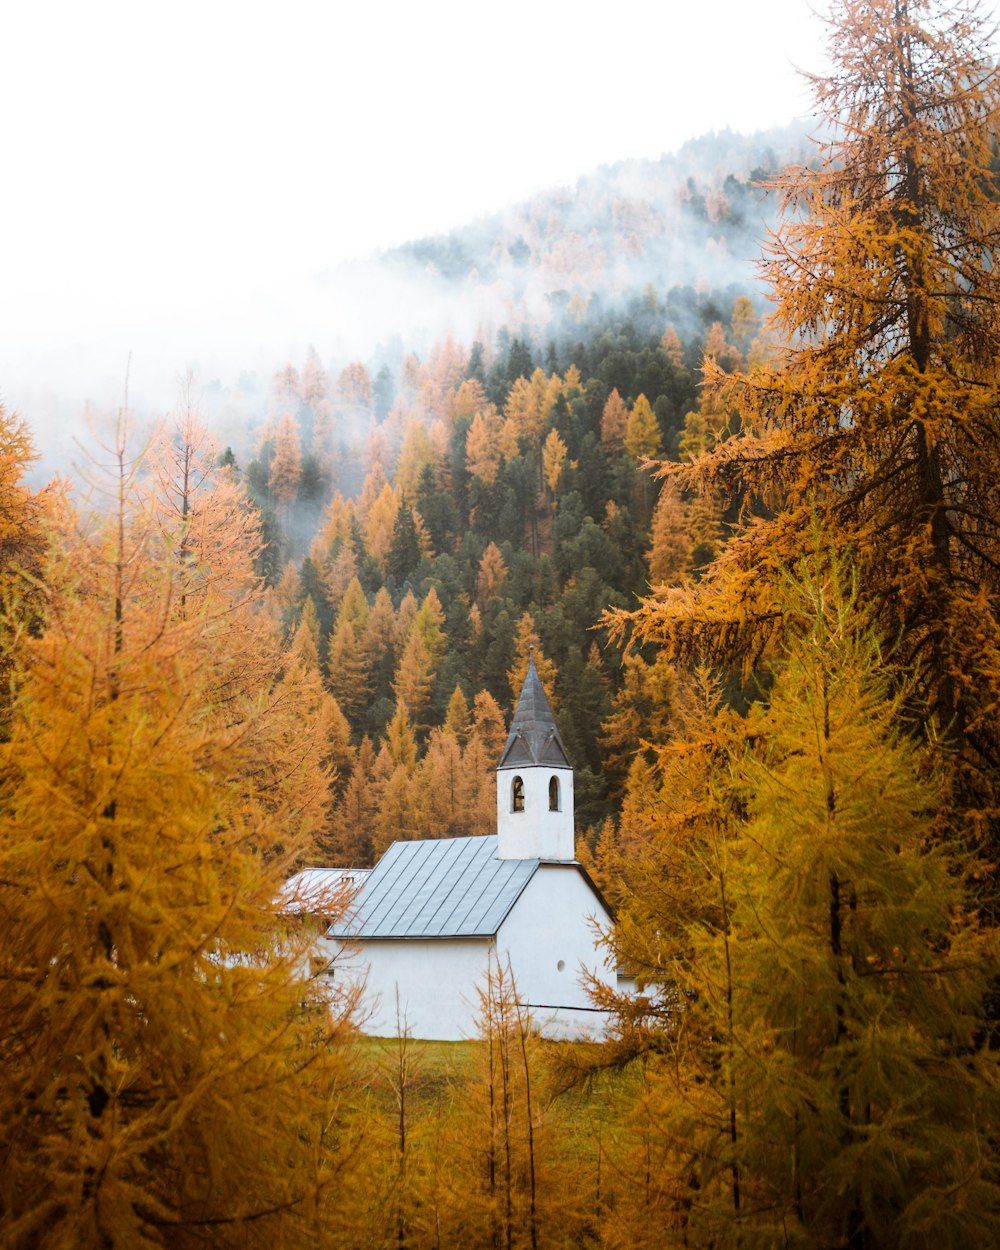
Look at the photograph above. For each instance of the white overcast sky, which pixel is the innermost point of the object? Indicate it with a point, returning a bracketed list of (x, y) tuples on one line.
[(159, 160)]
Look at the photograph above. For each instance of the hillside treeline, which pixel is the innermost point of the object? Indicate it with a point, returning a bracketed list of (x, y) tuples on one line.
[(481, 501)]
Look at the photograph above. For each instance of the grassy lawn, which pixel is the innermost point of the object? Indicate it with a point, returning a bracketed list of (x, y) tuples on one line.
[(439, 1072), (436, 1070)]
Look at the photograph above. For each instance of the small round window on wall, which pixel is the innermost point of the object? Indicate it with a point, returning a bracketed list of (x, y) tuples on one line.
[(553, 794), (517, 795)]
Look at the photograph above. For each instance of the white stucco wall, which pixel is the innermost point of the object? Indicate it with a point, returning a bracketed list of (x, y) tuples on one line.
[(549, 927), (536, 832), (438, 980)]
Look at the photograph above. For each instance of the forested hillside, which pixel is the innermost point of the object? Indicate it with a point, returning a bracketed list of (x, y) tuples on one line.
[(438, 522), (692, 218), (430, 515)]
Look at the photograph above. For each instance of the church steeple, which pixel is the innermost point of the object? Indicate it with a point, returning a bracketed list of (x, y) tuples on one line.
[(534, 737), (534, 781)]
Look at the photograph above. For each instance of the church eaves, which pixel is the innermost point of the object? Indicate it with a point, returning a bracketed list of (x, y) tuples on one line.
[(533, 737)]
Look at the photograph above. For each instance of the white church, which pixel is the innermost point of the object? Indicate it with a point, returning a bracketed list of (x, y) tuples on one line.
[(423, 928)]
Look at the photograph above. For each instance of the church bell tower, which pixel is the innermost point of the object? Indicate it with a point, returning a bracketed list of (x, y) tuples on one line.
[(534, 782)]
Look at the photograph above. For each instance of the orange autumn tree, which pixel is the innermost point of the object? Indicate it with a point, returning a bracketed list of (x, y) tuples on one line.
[(880, 417), (813, 978), (169, 1075), (22, 530), (286, 462), (21, 511)]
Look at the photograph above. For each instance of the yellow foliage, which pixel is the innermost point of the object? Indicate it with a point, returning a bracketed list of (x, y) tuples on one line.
[(877, 419), (165, 1061), (482, 445)]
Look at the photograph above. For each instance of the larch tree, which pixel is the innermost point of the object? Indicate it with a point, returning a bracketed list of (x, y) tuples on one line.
[(354, 390), (482, 752), (314, 381), (400, 744), (349, 843), (529, 406), (419, 659), (406, 614), (283, 597), (642, 433), (643, 441), (679, 820), (378, 642), (643, 711), (553, 460), (743, 322), (284, 393), (394, 773), (286, 463), (489, 729), (482, 445), (415, 454), (22, 539), (614, 423), (829, 1078), (304, 648), (322, 444), (880, 416), (492, 574), (458, 718), (379, 524), (466, 400), (22, 528), (340, 571), (339, 754), (672, 347), (169, 1072), (430, 621), (414, 678), (334, 531), (443, 787), (503, 1203), (347, 661), (718, 348), (671, 548)]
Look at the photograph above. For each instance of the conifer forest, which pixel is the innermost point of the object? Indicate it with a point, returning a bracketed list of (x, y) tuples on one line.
[(746, 520)]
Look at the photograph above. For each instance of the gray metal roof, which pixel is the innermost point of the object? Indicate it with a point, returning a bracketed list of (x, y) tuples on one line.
[(533, 737), (437, 888)]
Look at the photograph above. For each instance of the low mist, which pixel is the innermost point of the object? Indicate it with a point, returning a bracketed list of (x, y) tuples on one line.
[(689, 219)]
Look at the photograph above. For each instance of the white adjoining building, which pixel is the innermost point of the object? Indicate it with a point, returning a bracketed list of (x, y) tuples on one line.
[(427, 923)]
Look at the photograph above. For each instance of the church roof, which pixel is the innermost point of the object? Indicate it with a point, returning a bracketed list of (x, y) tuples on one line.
[(320, 891), (533, 737), (437, 888)]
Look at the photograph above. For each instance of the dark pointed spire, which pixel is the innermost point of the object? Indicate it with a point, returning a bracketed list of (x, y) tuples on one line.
[(533, 737)]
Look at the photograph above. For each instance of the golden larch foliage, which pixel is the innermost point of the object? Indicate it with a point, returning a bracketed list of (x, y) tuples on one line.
[(168, 1065)]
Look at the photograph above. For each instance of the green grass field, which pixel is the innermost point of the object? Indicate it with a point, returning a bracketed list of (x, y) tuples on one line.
[(438, 1073)]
